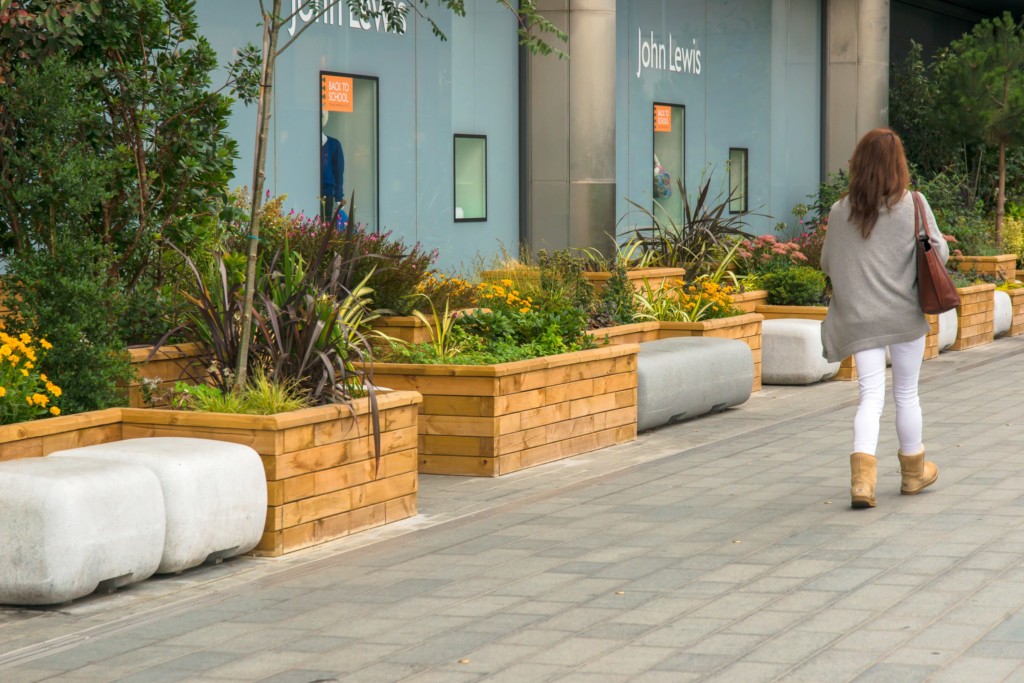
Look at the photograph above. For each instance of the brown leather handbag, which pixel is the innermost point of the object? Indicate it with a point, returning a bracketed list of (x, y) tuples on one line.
[(935, 289)]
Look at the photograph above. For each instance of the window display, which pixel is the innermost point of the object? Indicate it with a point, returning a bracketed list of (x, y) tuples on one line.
[(470, 178), (669, 161), (348, 148)]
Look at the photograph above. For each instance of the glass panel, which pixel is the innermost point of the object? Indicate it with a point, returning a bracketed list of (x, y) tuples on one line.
[(737, 180), (470, 178), (348, 148), (669, 162)]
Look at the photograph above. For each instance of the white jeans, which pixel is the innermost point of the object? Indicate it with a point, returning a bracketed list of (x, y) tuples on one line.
[(906, 369)]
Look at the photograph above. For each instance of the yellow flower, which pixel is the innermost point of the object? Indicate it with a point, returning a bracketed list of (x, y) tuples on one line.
[(14, 358), (44, 377), (28, 399), (24, 372), (40, 400), (507, 283), (25, 339), (29, 366), (55, 411), (45, 344), (3, 391), (524, 310)]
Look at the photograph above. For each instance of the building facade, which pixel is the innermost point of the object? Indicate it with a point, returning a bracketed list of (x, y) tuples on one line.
[(469, 145)]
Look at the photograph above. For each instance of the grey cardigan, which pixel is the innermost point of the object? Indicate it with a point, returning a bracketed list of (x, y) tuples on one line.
[(874, 280)]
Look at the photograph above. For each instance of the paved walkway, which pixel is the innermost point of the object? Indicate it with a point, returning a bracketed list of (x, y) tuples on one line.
[(721, 549)]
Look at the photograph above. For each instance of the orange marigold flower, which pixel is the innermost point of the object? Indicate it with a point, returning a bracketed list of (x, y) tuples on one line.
[(54, 411)]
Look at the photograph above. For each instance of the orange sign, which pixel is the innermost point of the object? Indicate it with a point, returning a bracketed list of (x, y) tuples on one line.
[(662, 119), (336, 93)]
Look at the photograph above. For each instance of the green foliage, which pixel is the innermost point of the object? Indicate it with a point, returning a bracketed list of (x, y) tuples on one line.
[(616, 304), (395, 269), (707, 231), (261, 397), (958, 211), (443, 340), (913, 96), (26, 392), (66, 297), (109, 131), (799, 286)]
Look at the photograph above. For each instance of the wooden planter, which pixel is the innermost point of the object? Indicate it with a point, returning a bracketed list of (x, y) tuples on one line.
[(407, 328), (496, 419), (168, 365), (634, 333), (655, 277), (523, 276), (931, 340), (975, 316), (749, 301), (322, 480), (41, 437), (1002, 266), (1017, 304), (745, 327), (847, 368)]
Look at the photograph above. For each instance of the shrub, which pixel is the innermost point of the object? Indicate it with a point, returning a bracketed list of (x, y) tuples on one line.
[(1013, 236), (800, 286), (440, 288), (67, 297), (25, 392), (261, 397), (765, 253), (704, 299)]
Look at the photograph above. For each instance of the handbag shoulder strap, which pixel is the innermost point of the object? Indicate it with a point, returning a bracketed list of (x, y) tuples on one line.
[(920, 222)]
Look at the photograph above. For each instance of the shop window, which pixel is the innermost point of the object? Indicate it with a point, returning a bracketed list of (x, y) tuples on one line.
[(349, 148), (470, 178), (737, 180), (669, 162)]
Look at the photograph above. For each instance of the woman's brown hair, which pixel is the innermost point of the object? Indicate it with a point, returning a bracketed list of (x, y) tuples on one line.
[(878, 175)]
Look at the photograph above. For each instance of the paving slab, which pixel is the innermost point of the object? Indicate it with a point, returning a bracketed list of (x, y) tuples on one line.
[(721, 549)]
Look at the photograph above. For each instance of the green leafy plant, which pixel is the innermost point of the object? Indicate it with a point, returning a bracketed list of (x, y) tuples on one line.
[(261, 396), (66, 297), (799, 286), (444, 342), (26, 393), (703, 299), (706, 231)]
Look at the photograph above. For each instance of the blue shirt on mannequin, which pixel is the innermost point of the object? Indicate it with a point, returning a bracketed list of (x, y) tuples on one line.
[(332, 169)]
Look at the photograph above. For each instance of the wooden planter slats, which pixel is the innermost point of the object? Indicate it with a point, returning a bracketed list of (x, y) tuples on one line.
[(322, 480), (655, 277), (847, 367), (1017, 304), (633, 333), (169, 364), (1002, 266), (41, 437), (748, 302), (931, 340), (407, 328), (975, 316), (496, 419)]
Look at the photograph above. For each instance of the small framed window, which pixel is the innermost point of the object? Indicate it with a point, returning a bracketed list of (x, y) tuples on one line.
[(737, 179), (470, 178)]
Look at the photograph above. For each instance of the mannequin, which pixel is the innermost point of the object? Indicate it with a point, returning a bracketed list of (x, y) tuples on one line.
[(332, 171)]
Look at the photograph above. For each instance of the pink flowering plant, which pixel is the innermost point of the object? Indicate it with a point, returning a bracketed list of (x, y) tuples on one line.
[(766, 253)]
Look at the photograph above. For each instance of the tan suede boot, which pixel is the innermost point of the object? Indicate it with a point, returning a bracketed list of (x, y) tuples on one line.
[(863, 475), (918, 473)]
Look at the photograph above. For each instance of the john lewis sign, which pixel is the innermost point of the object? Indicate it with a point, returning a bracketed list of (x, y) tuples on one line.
[(670, 56)]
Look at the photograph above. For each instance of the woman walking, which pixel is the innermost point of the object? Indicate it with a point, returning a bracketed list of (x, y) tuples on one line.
[(870, 254)]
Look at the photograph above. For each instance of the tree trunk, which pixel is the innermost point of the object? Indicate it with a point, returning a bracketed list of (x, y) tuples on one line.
[(1001, 196), (271, 29)]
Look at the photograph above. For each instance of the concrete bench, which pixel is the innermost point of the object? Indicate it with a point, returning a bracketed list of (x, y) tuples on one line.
[(1003, 313), (686, 377), (948, 327), (791, 352), (214, 494), (72, 526)]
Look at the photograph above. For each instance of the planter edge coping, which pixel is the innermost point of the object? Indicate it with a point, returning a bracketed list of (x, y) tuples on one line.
[(295, 418), (505, 369), (713, 324), (783, 308), (58, 425), (166, 352), (974, 289)]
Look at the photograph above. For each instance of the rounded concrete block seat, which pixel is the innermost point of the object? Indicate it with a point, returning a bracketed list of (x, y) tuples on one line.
[(791, 352), (685, 377), (214, 492), (72, 526), (948, 327), (1003, 313)]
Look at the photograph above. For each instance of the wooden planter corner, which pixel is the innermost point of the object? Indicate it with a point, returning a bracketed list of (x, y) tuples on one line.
[(747, 302), (495, 419), (745, 327), (1017, 305), (1002, 266), (975, 316), (406, 328), (931, 340), (847, 368), (322, 480), (169, 364)]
